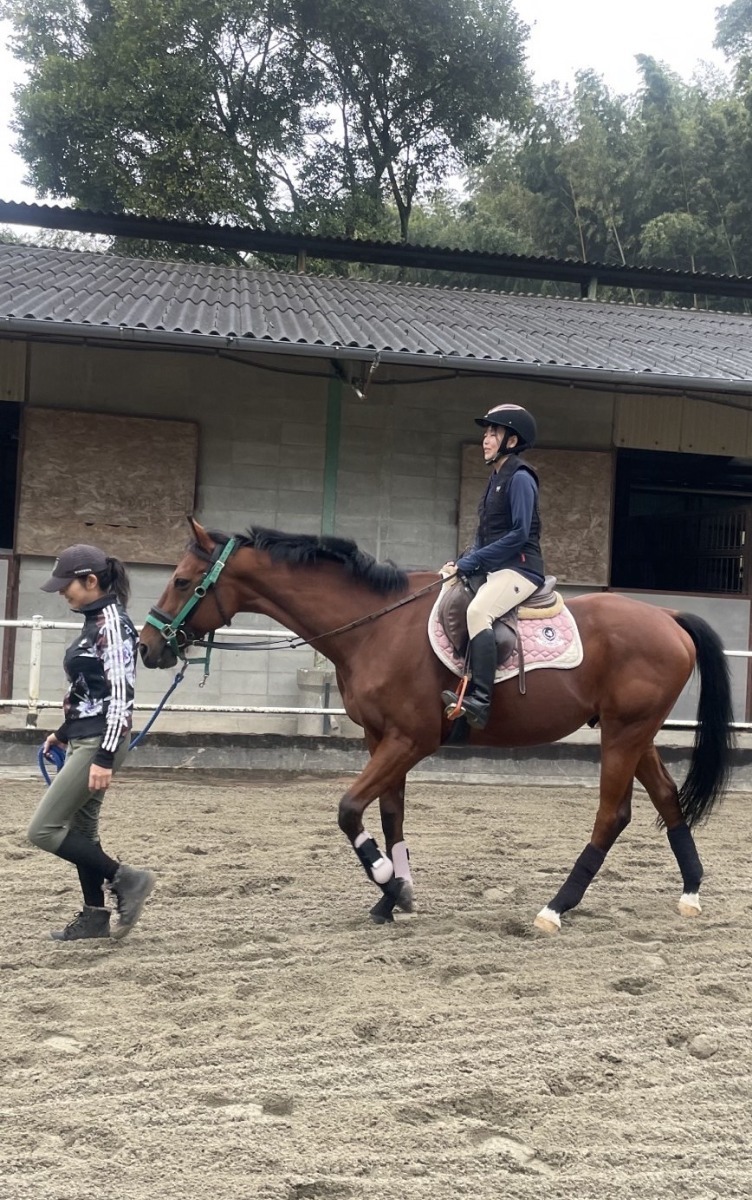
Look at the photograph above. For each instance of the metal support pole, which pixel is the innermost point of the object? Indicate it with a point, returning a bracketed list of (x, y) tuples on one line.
[(35, 671), (321, 665), (331, 455)]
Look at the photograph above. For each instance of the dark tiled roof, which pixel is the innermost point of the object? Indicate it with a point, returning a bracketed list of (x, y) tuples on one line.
[(105, 291)]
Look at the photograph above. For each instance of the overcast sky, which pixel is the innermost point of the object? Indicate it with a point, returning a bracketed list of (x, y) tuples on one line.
[(566, 36)]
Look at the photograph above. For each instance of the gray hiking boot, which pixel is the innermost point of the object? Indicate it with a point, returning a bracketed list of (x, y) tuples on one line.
[(89, 923), (131, 889)]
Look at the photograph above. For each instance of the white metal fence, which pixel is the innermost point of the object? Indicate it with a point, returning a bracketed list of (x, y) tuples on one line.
[(33, 704)]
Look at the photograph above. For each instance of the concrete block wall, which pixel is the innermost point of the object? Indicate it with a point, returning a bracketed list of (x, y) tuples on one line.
[(262, 460), (399, 463)]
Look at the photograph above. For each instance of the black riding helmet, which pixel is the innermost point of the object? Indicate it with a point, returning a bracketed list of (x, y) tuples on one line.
[(514, 418)]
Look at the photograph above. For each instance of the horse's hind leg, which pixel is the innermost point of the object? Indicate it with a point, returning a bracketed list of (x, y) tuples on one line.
[(621, 750), (660, 787), (392, 806)]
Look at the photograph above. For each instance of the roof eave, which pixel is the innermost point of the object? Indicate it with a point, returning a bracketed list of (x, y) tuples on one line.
[(594, 376)]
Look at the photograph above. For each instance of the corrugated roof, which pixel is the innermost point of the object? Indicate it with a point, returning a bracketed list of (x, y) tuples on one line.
[(416, 254), (105, 291)]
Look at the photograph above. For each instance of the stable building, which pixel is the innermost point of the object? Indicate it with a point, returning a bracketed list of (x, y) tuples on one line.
[(133, 392)]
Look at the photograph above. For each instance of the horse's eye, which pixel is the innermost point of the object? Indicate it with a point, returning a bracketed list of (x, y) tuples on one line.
[(182, 584)]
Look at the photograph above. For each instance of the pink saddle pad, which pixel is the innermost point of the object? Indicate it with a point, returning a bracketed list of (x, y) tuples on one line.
[(546, 642)]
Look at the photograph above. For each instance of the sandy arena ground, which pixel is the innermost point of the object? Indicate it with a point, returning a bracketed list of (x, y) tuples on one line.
[(257, 1037)]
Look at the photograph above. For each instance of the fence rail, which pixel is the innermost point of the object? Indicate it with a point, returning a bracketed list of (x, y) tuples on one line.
[(33, 704)]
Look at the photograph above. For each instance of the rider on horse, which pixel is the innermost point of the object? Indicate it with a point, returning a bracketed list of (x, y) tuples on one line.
[(506, 550)]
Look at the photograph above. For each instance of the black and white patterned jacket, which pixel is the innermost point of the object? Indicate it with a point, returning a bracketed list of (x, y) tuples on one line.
[(101, 668)]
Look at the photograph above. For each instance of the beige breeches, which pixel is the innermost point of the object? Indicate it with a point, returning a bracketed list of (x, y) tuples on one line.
[(501, 591)]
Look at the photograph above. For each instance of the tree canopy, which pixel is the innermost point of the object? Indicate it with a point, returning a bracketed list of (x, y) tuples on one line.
[(387, 120), (276, 113)]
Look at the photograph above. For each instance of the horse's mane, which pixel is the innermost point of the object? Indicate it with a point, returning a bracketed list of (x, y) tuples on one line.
[(305, 549)]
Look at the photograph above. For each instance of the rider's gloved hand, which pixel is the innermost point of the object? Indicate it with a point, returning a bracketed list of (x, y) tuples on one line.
[(467, 565)]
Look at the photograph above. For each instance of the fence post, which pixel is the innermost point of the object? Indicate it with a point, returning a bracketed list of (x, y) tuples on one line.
[(35, 671)]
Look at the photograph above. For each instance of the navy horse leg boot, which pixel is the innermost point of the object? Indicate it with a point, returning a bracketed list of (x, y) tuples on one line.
[(476, 704)]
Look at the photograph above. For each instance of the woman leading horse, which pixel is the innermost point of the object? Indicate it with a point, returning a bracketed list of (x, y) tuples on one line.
[(370, 620)]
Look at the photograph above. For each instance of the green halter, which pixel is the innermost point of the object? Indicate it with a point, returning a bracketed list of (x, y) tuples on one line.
[(170, 627)]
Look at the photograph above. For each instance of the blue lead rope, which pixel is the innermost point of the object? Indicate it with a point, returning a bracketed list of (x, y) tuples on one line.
[(57, 756), (178, 679)]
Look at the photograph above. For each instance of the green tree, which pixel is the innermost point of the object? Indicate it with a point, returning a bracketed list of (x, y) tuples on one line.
[(686, 137), (55, 239), (594, 166), (664, 137), (563, 187), (674, 239), (734, 38), (178, 108), (733, 33), (415, 88), (277, 113)]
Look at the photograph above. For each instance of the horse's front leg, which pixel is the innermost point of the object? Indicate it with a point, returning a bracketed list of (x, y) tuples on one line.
[(392, 806), (384, 776)]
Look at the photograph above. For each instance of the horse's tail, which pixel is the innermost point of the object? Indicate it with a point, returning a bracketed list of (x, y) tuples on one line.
[(714, 738)]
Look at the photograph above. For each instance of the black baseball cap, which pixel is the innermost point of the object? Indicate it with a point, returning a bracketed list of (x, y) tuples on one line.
[(76, 562)]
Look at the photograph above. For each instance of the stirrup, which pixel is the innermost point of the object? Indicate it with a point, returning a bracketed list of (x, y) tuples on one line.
[(453, 709)]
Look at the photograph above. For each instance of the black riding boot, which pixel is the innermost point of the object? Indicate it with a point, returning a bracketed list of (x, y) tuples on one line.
[(477, 702)]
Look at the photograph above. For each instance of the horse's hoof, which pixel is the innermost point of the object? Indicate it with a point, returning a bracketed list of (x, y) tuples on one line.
[(689, 905), (380, 915), (548, 921), (406, 898), (398, 893)]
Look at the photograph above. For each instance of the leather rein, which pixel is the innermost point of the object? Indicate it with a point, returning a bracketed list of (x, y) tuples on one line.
[(173, 630)]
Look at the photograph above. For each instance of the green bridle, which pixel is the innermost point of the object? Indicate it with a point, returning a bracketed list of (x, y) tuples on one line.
[(171, 627)]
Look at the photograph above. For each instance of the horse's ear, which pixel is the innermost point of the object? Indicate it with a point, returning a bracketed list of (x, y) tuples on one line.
[(202, 537)]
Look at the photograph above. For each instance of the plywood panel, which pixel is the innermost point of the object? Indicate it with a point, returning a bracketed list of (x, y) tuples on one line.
[(575, 504), (713, 428), (649, 422), (124, 483)]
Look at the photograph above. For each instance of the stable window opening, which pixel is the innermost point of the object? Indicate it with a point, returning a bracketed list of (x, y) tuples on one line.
[(682, 523)]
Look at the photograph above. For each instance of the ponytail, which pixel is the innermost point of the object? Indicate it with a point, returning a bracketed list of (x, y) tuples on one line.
[(114, 578)]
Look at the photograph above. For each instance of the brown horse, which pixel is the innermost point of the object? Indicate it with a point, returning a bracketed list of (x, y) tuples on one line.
[(370, 620)]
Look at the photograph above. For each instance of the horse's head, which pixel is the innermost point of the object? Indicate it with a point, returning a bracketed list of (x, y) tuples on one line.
[(259, 572), (197, 600)]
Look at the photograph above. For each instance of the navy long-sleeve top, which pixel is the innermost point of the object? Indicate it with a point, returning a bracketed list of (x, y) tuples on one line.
[(499, 554)]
